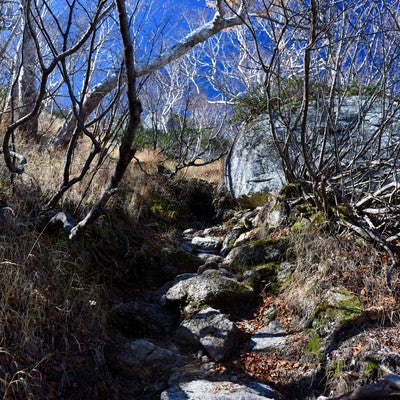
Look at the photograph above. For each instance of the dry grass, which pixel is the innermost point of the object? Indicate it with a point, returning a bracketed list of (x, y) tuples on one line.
[(326, 258), (54, 293), (48, 304), (213, 173)]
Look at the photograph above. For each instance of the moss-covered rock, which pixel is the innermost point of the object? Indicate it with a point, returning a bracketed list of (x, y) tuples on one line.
[(264, 276), (337, 308), (255, 253), (210, 288)]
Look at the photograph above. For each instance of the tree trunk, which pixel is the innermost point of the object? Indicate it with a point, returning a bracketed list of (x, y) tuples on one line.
[(99, 91), (27, 82)]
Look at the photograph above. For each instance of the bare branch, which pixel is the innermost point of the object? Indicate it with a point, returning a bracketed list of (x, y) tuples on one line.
[(201, 34)]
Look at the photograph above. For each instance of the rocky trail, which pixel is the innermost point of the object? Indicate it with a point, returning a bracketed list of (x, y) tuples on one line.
[(241, 321)]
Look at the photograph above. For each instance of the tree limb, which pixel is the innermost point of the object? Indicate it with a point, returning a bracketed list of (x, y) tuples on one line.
[(99, 91), (126, 152)]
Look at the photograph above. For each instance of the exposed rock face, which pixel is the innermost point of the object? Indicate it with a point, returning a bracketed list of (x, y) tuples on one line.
[(253, 165)]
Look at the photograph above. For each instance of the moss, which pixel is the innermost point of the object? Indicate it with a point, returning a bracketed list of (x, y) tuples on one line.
[(318, 218), (339, 307), (165, 209), (291, 190), (307, 221), (265, 275), (340, 210), (298, 227), (314, 346), (370, 368), (279, 241), (254, 201), (305, 210), (231, 243)]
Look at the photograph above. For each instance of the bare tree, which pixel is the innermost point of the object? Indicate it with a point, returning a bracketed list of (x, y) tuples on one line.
[(330, 92), (219, 22), (51, 58), (76, 67), (180, 121), (27, 83), (126, 151)]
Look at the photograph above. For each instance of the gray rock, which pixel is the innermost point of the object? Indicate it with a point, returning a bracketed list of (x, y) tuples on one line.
[(224, 390), (269, 314), (231, 237), (211, 329), (207, 265), (272, 214), (208, 243), (206, 257), (211, 288), (245, 237), (213, 231), (189, 232), (253, 165), (336, 309), (269, 337), (285, 270), (187, 246), (177, 261), (259, 252), (141, 359)]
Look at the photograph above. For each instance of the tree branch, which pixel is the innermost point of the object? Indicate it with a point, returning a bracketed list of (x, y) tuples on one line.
[(126, 152), (99, 91)]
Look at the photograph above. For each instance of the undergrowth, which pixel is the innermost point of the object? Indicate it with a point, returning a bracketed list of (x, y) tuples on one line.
[(55, 292), (325, 256)]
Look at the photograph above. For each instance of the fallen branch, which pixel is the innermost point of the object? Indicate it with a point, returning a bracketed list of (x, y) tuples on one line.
[(65, 219), (19, 168)]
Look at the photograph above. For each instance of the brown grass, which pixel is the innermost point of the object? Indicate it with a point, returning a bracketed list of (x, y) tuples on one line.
[(213, 173), (332, 258), (48, 305), (54, 292)]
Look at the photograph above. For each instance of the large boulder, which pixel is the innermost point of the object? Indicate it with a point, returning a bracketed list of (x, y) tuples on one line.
[(209, 288), (255, 253), (141, 359), (253, 165)]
